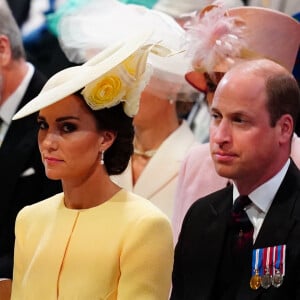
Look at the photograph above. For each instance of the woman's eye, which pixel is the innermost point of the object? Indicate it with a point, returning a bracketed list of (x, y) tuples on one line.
[(68, 127), (42, 125)]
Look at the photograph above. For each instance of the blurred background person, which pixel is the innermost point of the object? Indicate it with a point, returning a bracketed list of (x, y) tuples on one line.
[(161, 139), (41, 45), (22, 180), (198, 116)]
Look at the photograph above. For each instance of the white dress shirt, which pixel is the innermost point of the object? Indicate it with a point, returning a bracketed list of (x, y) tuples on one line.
[(262, 198), (10, 105)]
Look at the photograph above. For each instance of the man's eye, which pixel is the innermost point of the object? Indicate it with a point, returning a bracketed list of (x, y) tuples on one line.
[(239, 120), (215, 116)]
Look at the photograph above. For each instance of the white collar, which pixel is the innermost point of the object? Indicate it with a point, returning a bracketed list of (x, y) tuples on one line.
[(263, 196), (9, 107)]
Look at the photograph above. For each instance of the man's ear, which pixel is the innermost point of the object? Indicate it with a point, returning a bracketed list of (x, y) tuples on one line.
[(286, 128), (5, 51)]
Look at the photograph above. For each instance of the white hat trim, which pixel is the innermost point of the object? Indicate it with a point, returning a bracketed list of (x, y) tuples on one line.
[(75, 78)]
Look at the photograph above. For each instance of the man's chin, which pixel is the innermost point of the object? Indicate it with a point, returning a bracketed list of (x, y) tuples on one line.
[(224, 171)]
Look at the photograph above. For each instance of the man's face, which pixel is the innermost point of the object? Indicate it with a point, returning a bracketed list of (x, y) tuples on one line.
[(243, 143)]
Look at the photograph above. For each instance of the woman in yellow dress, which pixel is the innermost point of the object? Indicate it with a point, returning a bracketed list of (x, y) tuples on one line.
[(94, 240)]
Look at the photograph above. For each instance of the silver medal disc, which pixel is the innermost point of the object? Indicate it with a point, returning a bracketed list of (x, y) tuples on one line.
[(266, 281), (277, 279)]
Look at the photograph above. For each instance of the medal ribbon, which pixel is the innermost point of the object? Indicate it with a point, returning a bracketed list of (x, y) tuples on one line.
[(279, 259), (265, 262), (282, 261), (257, 255)]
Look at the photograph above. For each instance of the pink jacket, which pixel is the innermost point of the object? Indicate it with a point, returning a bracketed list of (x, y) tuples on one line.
[(198, 178)]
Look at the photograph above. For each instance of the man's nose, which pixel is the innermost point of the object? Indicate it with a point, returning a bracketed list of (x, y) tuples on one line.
[(221, 133)]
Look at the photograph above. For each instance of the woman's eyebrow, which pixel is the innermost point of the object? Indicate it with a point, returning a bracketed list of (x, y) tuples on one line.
[(60, 119)]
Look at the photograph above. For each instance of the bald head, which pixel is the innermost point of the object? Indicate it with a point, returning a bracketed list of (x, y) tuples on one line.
[(279, 85)]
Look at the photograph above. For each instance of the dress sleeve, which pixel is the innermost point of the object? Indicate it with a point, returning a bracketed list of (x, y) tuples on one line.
[(19, 263), (146, 260)]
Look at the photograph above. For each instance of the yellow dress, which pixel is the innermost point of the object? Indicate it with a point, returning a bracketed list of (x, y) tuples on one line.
[(121, 249)]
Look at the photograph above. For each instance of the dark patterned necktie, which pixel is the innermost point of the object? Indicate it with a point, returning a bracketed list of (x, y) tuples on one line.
[(242, 226)]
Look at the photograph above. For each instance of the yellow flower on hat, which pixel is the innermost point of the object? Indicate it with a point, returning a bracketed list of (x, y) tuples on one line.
[(106, 91), (124, 83)]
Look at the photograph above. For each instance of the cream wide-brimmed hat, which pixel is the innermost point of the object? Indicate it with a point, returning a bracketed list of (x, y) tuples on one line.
[(239, 34), (117, 74), (79, 38)]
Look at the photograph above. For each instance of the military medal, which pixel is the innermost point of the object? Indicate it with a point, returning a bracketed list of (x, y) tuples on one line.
[(268, 267), (278, 265), (266, 279), (277, 279), (255, 280)]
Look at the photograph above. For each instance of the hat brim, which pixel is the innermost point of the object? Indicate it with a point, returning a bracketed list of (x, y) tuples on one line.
[(196, 80), (73, 79)]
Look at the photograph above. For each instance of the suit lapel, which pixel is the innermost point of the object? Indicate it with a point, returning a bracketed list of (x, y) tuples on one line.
[(213, 243), (280, 217)]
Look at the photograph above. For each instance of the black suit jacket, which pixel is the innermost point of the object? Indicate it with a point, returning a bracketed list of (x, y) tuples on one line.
[(201, 241), (18, 153)]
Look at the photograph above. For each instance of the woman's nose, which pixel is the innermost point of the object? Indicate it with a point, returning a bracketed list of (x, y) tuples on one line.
[(50, 140)]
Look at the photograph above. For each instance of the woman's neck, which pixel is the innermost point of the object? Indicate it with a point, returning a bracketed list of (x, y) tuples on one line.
[(146, 143), (89, 193), (151, 138)]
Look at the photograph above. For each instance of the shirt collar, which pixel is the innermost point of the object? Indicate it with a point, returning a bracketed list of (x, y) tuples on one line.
[(9, 107), (263, 196)]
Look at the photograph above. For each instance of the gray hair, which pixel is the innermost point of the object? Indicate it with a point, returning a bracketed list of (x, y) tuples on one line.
[(10, 29)]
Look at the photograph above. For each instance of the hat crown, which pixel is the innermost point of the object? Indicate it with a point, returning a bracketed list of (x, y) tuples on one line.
[(117, 74), (243, 33)]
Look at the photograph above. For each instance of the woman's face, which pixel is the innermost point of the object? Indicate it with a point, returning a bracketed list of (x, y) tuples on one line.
[(69, 141)]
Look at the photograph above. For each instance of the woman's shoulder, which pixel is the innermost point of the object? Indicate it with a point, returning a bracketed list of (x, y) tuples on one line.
[(140, 206), (45, 205)]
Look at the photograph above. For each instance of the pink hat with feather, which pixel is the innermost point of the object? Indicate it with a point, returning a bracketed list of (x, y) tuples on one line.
[(220, 38)]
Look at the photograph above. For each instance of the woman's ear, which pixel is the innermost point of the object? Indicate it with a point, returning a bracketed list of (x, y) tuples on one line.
[(107, 139)]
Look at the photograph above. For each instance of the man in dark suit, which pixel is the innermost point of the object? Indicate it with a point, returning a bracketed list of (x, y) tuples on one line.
[(254, 112), (22, 176)]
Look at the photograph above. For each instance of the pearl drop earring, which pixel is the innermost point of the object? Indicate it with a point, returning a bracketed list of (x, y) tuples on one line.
[(102, 158)]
